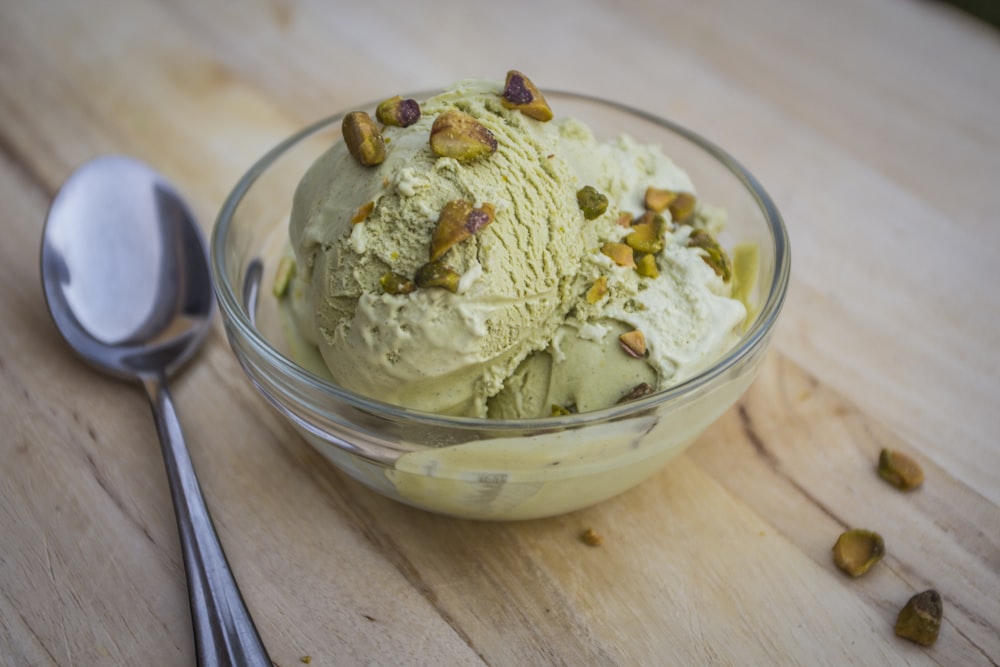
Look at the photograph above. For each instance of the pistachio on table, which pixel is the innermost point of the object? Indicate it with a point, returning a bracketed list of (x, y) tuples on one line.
[(899, 470), (857, 550), (920, 619), (458, 135), (363, 138)]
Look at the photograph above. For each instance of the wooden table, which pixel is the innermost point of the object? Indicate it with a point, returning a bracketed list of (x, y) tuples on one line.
[(874, 124)]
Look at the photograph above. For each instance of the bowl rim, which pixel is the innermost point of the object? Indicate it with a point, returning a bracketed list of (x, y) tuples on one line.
[(237, 318)]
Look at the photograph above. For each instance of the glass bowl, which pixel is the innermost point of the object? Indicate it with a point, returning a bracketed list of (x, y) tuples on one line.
[(485, 468)]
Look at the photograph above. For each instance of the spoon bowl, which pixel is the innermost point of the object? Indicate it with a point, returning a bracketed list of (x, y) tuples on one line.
[(127, 282)]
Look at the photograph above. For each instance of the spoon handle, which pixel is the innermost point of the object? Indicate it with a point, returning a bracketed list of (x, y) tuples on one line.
[(224, 632)]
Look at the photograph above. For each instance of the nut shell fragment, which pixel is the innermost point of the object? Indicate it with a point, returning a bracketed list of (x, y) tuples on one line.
[(398, 112), (857, 550), (899, 470), (437, 274), (458, 221), (520, 93), (458, 135), (920, 619), (363, 138), (363, 212)]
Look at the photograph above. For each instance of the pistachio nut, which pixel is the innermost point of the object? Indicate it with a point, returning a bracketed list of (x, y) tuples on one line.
[(458, 135), (620, 254), (362, 213), (658, 199), (714, 255), (647, 233), (857, 550), (591, 202), (437, 274), (458, 221), (634, 343), (682, 207), (591, 538), (645, 265), (394, 283), (899, 470), (920, 619), (598, 290), (363, 138), (398, 112), (521, 94)]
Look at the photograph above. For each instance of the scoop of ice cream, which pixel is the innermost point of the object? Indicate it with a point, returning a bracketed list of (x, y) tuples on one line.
[(685, 313), (544, 291), (433, 349)]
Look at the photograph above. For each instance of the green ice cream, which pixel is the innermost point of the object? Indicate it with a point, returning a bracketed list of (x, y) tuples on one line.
[(524, 332)]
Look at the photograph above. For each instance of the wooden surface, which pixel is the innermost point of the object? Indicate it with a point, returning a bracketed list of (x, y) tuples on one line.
[(873, 123)]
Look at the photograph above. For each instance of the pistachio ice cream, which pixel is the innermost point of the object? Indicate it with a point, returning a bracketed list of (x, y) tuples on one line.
[(470, 254)]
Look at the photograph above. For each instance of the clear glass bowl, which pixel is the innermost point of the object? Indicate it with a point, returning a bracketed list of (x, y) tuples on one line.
[(480, 468)]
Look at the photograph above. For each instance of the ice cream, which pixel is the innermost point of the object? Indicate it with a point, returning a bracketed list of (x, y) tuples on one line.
[(471, 255)]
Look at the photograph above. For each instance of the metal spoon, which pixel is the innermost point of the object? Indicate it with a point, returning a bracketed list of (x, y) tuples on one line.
[(127, 282)]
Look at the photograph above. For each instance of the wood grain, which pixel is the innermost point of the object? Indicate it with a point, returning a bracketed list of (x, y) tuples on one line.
[(873, 124)]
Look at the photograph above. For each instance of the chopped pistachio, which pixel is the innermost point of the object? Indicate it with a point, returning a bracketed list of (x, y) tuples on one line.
[(458, 221), (715, 256), (645, 265), (920, 619), (591, 202), (394, 283), (625, 219), (638, 391), (521, 94), (398, 112), (619, 253), (458, 135), (682, 207), (647, 233), (857, 550), (657, 199), (634, 343), (598, 290), (899, 470), (591, 538), (363, 138), (437, 274), (363, 212), (283, 276)]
